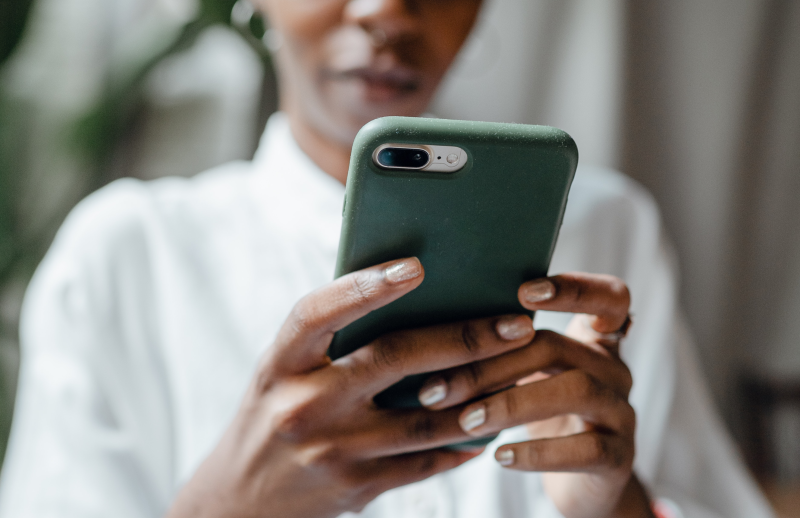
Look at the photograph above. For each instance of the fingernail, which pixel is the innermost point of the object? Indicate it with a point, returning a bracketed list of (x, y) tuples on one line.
[(514, 328), (538, 291), (473, 419), (403, 271), (434, 391), (505, 457)]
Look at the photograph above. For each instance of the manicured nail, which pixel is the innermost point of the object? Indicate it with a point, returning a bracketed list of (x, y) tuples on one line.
[(433, 391), (538, 291), (403, 271), (514, 328), (473, 419), (505, 457)]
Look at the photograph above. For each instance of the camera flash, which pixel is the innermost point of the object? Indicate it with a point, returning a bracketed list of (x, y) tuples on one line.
[(452, 158)]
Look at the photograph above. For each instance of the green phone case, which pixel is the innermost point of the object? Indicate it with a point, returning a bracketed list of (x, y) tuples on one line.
[(479, 232)]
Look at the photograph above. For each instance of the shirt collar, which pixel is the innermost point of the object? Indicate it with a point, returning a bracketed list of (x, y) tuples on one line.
[(296, 197), (280, 158)]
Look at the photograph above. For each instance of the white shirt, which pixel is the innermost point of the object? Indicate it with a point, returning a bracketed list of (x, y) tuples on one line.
[(144, 323)]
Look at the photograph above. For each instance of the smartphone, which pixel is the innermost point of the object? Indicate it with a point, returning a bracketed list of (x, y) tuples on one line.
[(480, 204)]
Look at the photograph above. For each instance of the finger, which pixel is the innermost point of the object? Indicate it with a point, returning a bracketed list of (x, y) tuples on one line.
[(584, 452), (572, 392), (549, 351), (603, 295), (388, 473), (304, 338), (394, 356), (388, 432), (582, 328)]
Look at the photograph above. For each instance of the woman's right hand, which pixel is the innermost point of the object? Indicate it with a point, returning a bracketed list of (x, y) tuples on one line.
[(308, 440)]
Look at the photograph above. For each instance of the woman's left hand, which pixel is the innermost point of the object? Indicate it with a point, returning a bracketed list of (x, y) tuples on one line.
[(572, 392)]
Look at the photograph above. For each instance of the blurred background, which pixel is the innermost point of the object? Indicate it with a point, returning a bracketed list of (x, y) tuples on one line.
[(699, 100)]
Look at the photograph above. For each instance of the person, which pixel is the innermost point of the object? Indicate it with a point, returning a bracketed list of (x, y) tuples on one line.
[(174, 337)]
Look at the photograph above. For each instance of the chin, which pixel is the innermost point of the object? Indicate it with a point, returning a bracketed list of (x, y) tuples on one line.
[(360, 103)]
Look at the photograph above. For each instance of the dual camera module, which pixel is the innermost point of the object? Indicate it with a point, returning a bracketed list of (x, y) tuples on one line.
[(428, 158), (403, 158)]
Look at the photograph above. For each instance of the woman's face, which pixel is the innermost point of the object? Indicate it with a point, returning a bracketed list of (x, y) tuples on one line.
[(343, 63)]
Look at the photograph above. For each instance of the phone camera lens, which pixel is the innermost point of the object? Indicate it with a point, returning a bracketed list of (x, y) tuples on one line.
[(403, 158)]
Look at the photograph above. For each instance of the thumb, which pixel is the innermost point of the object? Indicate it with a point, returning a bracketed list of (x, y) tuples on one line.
[(306, 334)]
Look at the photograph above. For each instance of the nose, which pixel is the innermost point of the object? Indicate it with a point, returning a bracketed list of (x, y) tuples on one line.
[(386, 21)]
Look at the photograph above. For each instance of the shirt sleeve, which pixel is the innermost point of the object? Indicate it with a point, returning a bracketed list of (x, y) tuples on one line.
[(684, 452), (91, 432), (700, 468)]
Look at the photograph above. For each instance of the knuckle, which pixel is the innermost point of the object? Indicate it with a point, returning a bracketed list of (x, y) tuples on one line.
[(421, 428), (530, 455), (342, 383), (474, 374), (361, 366), (302, 317), (626, 378), (620, 290), (423, 466), (386, 351), (426, 465), (468, 337), (551, 344), (361, 289), (330, 457), (263, 381), (265, 377), (597, 449), (291, 424), (585, 386), (295, 422), (618, 457), (576, 293), (629, 419), (510, 404)]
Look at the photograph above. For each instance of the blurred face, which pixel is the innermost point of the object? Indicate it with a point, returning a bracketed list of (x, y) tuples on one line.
[(343, 63)]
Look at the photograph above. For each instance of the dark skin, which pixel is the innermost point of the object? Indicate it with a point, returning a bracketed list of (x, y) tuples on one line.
[(343, 64), (307, 440)]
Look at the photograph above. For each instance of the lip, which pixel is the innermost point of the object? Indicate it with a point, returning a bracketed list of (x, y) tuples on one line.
[(381, 82)]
